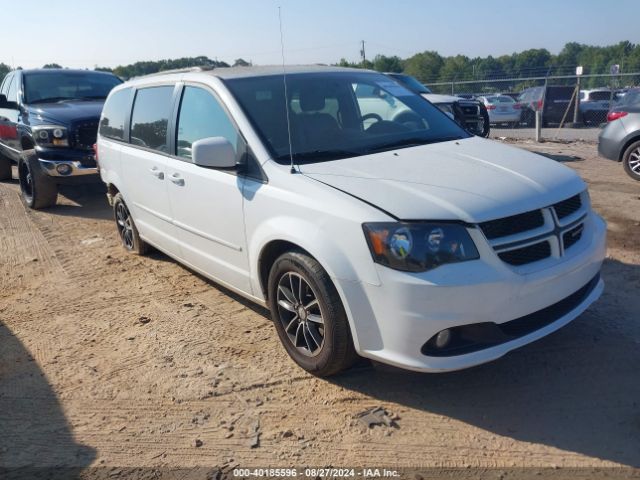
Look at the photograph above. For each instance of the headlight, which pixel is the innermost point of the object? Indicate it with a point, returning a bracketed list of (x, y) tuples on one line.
[(418, 247), (51, 136)]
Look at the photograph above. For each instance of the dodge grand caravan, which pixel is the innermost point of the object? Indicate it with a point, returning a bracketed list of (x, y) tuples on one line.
[(405, 240)]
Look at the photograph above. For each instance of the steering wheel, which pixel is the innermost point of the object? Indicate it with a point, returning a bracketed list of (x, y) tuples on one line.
[(370, 116)]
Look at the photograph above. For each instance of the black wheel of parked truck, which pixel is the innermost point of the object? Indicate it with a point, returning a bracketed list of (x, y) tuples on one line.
[(37, 188), (309, 316), (5, 168)]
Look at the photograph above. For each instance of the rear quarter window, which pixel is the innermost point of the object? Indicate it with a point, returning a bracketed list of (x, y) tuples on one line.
[(114, 114)]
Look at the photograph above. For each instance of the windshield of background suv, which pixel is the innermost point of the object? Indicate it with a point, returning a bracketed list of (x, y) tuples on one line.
[(57, 86), (339, 114)]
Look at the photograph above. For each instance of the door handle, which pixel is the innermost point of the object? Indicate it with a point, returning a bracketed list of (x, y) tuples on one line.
[(157, 173), (175, 178)]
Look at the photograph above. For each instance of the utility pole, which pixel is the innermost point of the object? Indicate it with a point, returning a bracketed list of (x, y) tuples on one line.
[(576, 105), (363, 54)]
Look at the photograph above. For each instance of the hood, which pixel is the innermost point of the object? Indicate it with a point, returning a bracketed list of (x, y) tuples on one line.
[(65, 112), (473, 180), (436, 98)]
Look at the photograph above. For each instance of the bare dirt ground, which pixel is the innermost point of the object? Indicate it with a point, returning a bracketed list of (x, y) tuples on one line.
[(112, 360)]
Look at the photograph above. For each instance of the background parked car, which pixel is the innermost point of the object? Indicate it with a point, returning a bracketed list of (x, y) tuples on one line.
[(48, 126), (555, 102), (502, 109), (620, 139), (594, 105), (469, 113)]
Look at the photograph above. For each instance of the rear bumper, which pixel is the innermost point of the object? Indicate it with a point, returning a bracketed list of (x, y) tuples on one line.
[(611, 140)]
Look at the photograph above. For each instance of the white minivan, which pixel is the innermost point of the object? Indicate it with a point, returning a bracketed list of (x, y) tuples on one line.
[(403, 239)]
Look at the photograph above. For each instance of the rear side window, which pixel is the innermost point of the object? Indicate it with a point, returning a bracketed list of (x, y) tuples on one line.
[(202, 116), (599, 96), (114, 113), (150, 117)]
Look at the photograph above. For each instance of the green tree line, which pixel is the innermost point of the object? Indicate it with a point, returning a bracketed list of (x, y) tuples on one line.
[(431, 67)]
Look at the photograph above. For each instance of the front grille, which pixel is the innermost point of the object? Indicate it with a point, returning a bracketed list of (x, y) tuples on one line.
[(530, 254), (470, 110), (504, 227), (86, 135), (567, 207), (572, 237)]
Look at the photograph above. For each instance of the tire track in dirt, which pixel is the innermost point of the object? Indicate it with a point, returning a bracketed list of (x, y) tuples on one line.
[(23, 248)]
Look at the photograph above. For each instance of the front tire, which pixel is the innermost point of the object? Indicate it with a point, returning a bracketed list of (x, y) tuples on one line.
[(631, 161), (37, 188), (309, 316), (127, 229), (5, 168)]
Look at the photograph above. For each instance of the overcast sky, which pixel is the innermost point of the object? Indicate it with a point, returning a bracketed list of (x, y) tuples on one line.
[(85, 33)]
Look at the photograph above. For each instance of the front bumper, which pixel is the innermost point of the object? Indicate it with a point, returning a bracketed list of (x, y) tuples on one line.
[(75, 168), (393, 321)]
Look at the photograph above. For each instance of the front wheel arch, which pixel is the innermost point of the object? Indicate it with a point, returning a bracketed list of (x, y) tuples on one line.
[(269, 254)]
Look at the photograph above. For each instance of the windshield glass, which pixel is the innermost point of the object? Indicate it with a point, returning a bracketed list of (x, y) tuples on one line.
[(410, 82), (339, 114), (57, 86)]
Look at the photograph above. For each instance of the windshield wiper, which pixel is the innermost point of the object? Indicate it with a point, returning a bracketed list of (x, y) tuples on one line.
[(66, 99), (48, 100), (93, 97), (411, 142), (319, 155)]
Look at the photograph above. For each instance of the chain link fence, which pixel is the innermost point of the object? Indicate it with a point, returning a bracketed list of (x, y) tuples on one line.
[(571, 107)]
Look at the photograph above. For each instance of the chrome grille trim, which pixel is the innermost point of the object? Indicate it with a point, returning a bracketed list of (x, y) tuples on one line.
[(562, 228)]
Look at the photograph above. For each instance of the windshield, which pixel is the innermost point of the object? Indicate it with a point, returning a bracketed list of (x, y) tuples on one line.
[(410, 82), (58, 86), (337, 115)]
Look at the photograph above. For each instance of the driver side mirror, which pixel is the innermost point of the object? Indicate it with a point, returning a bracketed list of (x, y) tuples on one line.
[(213, 152)]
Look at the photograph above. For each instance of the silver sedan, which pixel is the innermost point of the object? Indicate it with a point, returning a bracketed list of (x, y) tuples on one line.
[(502, 109)]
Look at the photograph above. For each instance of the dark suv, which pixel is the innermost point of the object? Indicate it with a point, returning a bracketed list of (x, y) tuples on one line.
[(556, 103), (48, 126)]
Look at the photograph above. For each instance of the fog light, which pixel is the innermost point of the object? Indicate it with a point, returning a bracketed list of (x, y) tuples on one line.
[(64, 169), (443, 338)]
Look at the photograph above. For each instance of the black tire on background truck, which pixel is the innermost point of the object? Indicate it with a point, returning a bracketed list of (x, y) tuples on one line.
[(486, 126), (37, 188), (5, 168)]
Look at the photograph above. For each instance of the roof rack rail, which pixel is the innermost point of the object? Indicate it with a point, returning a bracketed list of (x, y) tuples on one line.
[(201, 68)]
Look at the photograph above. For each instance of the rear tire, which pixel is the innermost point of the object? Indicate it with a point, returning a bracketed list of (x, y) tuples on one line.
[(127, 229), (37, 188), (5, 168), (631, 161), (309, 316)]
